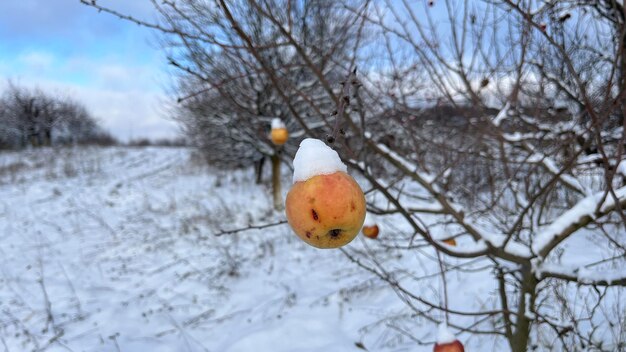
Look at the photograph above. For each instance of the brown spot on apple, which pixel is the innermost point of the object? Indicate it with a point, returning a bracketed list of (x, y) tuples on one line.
[(334, 233)]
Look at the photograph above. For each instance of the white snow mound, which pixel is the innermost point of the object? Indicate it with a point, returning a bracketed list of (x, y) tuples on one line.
[(369, 220), (278, 123), (444, 335), (314, 158)]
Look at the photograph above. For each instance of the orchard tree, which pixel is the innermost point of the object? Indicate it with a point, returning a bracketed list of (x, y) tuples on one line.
[(34, 118), (28, 117), (227, 84), (499, 124)]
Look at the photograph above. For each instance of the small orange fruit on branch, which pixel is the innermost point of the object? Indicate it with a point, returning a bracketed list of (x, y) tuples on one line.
[(370, 228), (450, 241), (279, 134), (446, 341), (325, 206)]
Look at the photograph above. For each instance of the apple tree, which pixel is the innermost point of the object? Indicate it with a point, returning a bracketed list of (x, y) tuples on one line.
[(499, 124)]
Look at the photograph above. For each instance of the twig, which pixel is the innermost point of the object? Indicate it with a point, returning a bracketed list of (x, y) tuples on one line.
[(445, 286), (342, 104), (47, 303), (250, 227)]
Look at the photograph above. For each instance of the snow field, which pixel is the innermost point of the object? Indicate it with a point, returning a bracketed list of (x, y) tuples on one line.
[(113, 250)]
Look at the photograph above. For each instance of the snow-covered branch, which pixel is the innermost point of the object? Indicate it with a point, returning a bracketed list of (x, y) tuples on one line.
[(581, 275), (584, 212), (512, 250)]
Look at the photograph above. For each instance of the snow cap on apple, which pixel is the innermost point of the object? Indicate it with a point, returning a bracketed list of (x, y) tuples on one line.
[(444, 335), (325, 206), (315, 158), (446, 341), (278, 123)]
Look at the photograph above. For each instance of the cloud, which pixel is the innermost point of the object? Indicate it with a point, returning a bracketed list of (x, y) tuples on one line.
[(127, 97), (107, 64), (127, 114), (37, 60)]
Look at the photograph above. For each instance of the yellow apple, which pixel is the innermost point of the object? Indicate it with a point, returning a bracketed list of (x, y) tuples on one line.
[(279, 136), (326, 211), (370, 231)]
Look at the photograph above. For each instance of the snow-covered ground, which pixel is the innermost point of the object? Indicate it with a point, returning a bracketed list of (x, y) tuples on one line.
[(114, 249)]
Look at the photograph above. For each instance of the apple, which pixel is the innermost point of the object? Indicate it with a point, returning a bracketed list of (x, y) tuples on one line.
[(454, 346), (279, 136), (450, 241), (370, 231), (326, 211)]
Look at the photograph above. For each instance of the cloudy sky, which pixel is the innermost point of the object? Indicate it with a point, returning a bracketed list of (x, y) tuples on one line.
[(112, 66)]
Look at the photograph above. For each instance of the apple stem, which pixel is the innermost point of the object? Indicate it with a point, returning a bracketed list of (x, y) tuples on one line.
[(342, 104)]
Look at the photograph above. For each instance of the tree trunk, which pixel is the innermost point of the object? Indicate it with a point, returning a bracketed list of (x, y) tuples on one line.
[(276, 192), (33, 140), (259, 170), (47, 140), (519, 340)]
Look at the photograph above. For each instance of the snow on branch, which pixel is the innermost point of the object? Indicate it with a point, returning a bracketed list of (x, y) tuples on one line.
[(496, 244), (511, 246), (312, 126), (424, 178), (581, 275), (569, 180), (544, 161), (621, 168), (421, 207), (468, 251), (584, 212), (502, 114), (556, 129)]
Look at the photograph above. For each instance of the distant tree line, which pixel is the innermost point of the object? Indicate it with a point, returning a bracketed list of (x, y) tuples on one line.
[(34, 118), (158, 142)]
